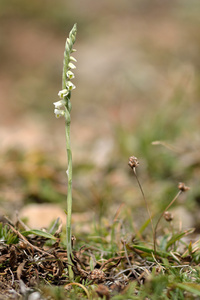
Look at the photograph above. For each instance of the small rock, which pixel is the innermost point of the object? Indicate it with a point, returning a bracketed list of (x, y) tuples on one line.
[(182, 218), (39, 216)]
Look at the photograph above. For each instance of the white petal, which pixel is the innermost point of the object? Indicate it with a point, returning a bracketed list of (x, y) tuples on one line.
[(59, 104)]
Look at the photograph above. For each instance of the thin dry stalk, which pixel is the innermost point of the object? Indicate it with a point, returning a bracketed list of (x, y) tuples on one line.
[(134, 163), (182, 188)]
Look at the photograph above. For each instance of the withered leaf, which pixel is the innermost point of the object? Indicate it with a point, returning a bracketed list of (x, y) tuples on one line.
[(13, 256), (20, 269)]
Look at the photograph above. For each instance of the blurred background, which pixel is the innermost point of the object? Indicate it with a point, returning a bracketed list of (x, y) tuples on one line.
[(138, 81)]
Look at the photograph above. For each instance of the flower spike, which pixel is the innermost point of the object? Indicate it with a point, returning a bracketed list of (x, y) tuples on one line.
[(63, 108)]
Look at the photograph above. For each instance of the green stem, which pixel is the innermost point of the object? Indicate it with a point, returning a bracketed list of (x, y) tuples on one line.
[(69, 192)]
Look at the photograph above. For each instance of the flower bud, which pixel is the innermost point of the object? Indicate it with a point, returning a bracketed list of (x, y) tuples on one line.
[(71, 66), (73, 59)]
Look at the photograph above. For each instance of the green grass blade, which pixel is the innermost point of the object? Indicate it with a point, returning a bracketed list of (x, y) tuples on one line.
[(176, 237), (144, 226), (189, 287), (40, 233), (150, 251)]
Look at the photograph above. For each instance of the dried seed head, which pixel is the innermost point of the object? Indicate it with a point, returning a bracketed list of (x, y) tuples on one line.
[(133, 162), (182, 187), (168, 216), (96, 276), (22, 244)]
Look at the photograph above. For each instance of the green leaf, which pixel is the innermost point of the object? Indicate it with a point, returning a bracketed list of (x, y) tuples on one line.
[(189, 287), (176, 237), (40, 233), (147, 251)]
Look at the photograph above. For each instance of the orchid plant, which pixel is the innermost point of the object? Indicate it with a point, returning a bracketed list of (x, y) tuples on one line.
[(63, 108)]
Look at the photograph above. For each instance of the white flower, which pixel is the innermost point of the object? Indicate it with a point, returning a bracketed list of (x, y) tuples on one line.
[(59, 104), (71, 66), (63, 93), (70, 86), (59, 113), (70, 74)]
